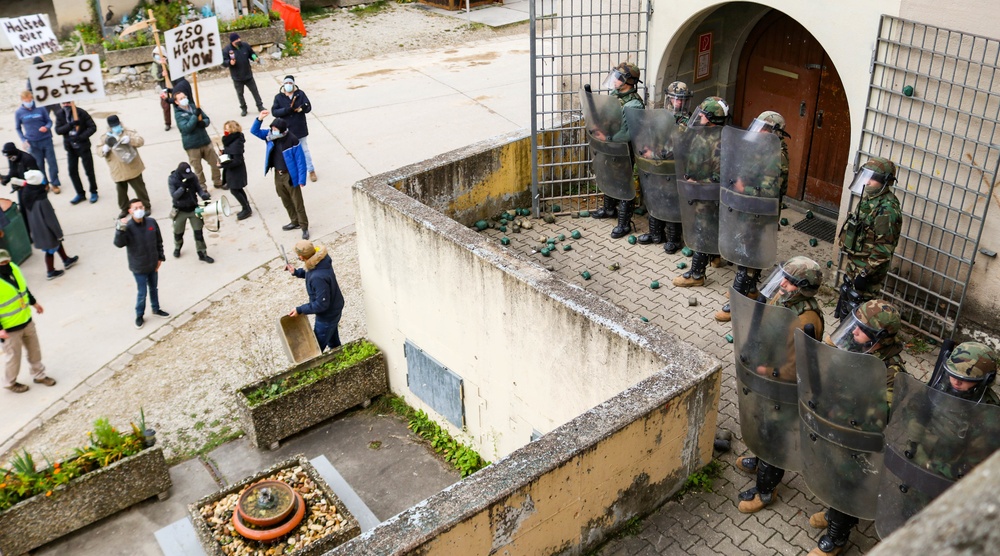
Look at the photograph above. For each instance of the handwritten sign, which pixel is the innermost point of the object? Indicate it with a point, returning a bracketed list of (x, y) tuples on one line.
[(193, 47), (30, 36), (68, 79)]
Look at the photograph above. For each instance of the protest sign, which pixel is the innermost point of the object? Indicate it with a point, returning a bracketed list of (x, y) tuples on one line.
[(68, 79), (30, 36), (193, 47)]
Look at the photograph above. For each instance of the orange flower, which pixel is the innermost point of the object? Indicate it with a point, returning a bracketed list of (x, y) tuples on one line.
[(3, 485), (49, 493)]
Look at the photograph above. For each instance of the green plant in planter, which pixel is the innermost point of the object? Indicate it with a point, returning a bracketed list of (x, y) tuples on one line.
[(293, 44), (348, 356), (135, 40), (89, 32), (254, 20)]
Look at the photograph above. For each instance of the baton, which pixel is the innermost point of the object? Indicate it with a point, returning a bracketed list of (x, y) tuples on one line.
[(284, 255)]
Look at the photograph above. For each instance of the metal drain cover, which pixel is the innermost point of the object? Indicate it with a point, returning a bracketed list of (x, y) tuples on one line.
[(817, 228)]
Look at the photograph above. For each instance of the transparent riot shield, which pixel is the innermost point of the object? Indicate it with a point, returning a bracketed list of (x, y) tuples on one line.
[(933, 439), (612, 161), (652, 134), (764, 348), (750, 197), (697, 155), (843, 411)]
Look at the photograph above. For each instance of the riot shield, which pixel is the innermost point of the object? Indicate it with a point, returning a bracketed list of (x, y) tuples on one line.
[(697, 152), (612, 161), (764, 348), (653, 132), (749, 198), (932, 440), (843, 411)]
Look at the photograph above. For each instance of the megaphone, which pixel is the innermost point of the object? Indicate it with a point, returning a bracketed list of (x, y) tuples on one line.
[(213, 211)]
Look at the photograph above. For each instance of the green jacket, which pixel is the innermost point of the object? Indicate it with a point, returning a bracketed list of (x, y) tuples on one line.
[(628, 100), (879, 223), (193, 133)]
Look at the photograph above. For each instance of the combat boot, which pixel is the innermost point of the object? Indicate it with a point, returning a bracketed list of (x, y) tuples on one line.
[(744, 282), (655, 234), (723, 314), (696, 276), (624, 220), (674, 238), (609, 210), (748, 465), (818, 520), (753, 501)]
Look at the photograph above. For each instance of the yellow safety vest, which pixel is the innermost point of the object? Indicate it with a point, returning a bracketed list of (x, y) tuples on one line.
[(14, 309)]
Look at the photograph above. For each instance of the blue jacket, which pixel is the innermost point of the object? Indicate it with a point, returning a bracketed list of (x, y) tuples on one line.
[(325, 298), (295, 159), (32, 119)]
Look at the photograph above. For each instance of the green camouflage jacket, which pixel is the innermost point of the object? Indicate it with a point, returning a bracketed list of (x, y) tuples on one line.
[(629, 100), (704, 158), (879, 222)]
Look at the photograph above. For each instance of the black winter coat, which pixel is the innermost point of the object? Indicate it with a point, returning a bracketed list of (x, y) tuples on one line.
[(80, 140), (284, 107), (144, 242), (19, 166), (234, 172), (184, 193), (243, 54)]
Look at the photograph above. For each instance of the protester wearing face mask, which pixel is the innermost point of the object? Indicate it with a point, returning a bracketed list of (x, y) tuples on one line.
[(140, 235), (20, 162), (48, 234), (285, 155), (234, 168), (17, 330), (291, 104), (192, 122), (119, 147), (76, 126), (159, 72), (34, 128), (237, 56)]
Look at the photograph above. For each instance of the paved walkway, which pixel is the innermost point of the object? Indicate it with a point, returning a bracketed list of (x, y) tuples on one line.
[(700, 523), (395, 116)]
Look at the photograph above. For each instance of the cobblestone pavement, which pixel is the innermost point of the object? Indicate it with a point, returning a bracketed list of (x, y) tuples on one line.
[(700, 523)]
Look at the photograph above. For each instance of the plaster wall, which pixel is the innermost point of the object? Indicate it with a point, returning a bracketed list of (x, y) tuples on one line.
[(534, 351)]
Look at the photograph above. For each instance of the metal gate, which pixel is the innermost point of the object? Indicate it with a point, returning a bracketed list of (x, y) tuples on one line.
[(934, 109), (574, 42)]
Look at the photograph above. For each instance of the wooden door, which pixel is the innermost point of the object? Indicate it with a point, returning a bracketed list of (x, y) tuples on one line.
[(782, 69)]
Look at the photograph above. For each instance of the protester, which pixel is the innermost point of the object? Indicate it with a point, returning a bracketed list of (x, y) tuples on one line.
[(119, 146), (234, 168), (159, 72), (185, 190), (77, 131), (19, 163), (284, 154), (34, 128), (17, 330), (292, 105), (238, 56), (325, 298), (140, 234), (47, 234), (192, 121)]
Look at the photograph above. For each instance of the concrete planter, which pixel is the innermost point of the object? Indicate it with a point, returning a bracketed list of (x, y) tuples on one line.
[(84, 500), (144, 54), (268, 423), (129, 57), (350, 529)]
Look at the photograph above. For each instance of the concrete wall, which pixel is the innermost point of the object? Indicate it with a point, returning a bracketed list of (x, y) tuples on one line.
[(534, 350), (565, 492), (961, 522), (847, 29)]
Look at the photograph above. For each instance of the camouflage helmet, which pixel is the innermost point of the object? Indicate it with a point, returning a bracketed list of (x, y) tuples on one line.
[(805, 273), (879, 319), (971, 361), (883, 168), (776, 121), (715, 109), (630, 72), (678, 89)]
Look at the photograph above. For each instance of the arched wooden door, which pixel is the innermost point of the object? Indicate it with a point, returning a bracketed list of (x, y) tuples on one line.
[(783, 68)]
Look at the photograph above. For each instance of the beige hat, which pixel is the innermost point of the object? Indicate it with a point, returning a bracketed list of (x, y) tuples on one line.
[(4, 256), (305, 248)]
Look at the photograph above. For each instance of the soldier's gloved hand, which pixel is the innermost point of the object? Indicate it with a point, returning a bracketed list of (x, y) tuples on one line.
[(124, 140), (861, 282)]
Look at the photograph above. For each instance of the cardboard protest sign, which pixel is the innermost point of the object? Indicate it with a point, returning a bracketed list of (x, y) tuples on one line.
[(68, 79), (193, 47), (30, 35)]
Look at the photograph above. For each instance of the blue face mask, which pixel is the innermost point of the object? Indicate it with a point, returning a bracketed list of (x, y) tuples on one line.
[(117, 130), (28, 104)]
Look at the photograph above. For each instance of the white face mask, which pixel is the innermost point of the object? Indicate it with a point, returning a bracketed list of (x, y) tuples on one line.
[(183, 103), (138, 214)]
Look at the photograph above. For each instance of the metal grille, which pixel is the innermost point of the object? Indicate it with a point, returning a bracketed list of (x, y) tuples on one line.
[(818, 228), (574, 42), (943, 139)]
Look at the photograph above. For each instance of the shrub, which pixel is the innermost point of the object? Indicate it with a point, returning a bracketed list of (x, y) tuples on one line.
[(293, 44)]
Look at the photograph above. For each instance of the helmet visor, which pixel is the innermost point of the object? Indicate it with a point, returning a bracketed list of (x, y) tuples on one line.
[(772, 286), (678, 104), (699, 118), (867, 179), (854, 335), (614, 80), (760, 126)]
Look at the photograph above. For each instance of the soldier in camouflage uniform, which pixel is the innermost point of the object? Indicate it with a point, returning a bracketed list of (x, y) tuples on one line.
[(622, 81), (679, 102), (793, 285), (769, 121), (871, 328), (969, 373), (704, 164), (870, 234)]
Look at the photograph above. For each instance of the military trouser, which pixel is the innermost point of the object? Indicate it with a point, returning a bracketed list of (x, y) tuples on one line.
[(180, 224)]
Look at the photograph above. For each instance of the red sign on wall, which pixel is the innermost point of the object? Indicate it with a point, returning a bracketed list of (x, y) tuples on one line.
[(703, 61)]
